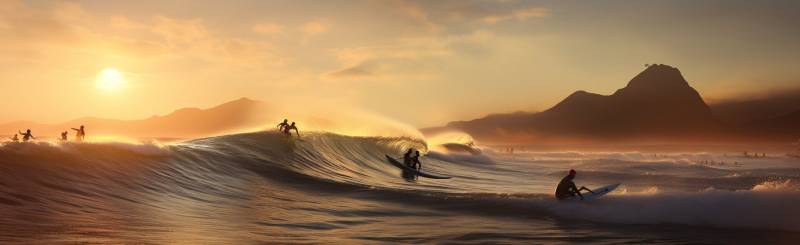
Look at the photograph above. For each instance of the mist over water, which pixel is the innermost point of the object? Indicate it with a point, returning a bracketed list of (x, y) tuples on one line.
[(328, 187)]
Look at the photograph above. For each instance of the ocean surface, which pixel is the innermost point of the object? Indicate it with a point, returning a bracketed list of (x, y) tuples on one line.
[(328, 188)]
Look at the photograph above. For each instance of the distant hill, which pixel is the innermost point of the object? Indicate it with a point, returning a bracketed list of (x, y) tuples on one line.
[(774, 116), (657, 104), (747, 110), (183, 123), (784, 127)]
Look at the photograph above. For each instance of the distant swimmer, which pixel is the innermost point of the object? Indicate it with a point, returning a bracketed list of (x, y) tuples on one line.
[(80, 133), (288, 130), (64, 136), (15, 138), (415, 163), (27, 135), (282, 125), (566, 188)]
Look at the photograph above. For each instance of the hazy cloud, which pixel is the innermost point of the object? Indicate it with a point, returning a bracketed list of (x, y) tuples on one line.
[(313, 28), (417, 14), (403, 59), (519, 15), (180, 30), (360, 70), (531, 52), (20, 22), (268, 29), (124, 23)]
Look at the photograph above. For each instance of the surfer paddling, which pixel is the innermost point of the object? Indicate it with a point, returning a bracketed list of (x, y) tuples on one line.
[(567, 189)]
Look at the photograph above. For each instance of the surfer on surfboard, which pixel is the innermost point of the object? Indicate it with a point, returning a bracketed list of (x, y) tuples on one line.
[(567, 189), (411, 173), (27, 135), (288, 132), (407, 157), (80, 133), (415, 163), (283, 124)]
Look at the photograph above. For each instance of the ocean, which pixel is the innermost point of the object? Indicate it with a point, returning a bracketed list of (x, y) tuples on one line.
[(328, 188)]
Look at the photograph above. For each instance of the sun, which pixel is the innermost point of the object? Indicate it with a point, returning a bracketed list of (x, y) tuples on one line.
[(110, 79)]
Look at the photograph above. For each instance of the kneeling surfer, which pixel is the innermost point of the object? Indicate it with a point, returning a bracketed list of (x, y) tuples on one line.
[(567, 189)]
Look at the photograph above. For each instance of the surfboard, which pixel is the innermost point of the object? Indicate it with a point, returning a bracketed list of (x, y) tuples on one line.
[(599, 192), (414, 171)]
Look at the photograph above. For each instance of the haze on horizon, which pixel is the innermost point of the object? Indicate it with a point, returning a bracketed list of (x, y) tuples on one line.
[(424, 63)]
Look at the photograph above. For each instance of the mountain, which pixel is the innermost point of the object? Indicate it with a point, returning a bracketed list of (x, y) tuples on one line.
[(657, 104), (239, 114)]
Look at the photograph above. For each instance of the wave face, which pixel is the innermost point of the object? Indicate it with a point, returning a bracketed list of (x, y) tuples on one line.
[(333, 188)]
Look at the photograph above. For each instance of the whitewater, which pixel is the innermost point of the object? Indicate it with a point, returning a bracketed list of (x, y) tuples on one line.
[(330, 188)]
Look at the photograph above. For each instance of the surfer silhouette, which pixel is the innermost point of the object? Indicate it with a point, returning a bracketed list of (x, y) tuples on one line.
[(79, 133), (407, 157), (567, 189), (64, 136), (27, 135), (284, 124), (415, 163), (288, 132), (15, 138)]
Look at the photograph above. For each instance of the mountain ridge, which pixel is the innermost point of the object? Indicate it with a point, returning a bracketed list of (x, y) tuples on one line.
[(657, 103), (187, 122)]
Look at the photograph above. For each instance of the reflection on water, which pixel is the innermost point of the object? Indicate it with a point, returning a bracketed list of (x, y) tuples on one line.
[(335, 189)]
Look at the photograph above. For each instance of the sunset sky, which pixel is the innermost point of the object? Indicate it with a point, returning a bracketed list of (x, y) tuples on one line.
[(422, 62)]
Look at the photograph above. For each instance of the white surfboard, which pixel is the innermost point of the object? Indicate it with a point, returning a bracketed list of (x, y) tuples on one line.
[(602, 191)]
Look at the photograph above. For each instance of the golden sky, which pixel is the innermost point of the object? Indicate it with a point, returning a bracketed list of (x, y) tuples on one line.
[(422, 62)]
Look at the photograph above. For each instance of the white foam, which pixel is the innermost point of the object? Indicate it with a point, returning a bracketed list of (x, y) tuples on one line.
[(738, 209)]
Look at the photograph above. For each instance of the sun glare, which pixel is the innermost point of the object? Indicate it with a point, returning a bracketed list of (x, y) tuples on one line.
[(110, 79)]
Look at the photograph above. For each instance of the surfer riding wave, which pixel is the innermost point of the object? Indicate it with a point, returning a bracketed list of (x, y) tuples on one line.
[(226, 168)]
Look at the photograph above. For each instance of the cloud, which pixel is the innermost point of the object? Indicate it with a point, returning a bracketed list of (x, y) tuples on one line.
[(179, 30), (124, 23), (406, 59), (461, 16), (360, 70), (313, 28), (27, 25), (518, 15), (172, 38), (417, 14), (58, 38), (70, 12), (269, 29)]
